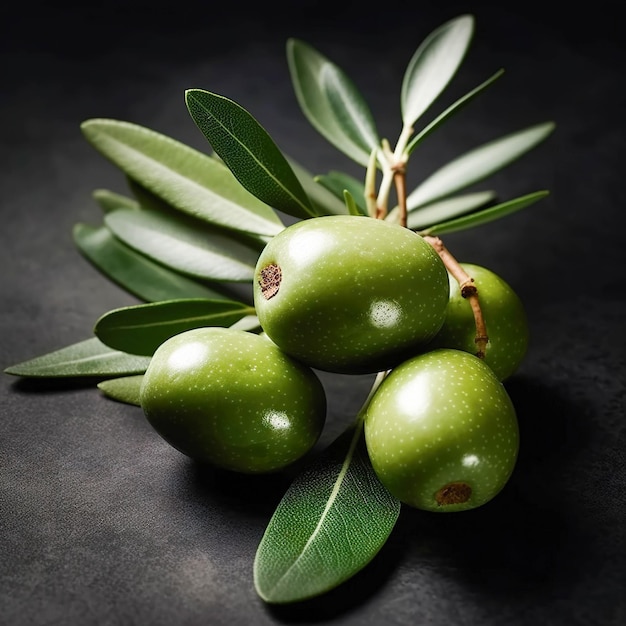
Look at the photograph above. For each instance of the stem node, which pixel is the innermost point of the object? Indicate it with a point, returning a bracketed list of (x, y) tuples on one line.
[(468, 291)]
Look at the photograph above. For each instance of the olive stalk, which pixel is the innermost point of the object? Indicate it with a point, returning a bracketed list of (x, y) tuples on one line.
[(360, 416), (380, 376), (399, 177), (468, 291), (397, 168)]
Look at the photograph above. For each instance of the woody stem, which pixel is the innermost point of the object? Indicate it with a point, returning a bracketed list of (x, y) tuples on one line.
[(468, 291)]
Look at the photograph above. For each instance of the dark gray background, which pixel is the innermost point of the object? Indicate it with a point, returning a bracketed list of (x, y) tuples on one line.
[(102, 523)]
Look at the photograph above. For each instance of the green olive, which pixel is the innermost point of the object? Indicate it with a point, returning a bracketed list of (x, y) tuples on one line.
[(233, 399), (442, 432), (350, 294), (504, 316)]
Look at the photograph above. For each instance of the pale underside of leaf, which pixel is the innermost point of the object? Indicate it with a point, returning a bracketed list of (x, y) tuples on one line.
[(110, 200), (189, 180), (349, 107), (447, 209), (85, 358), (438, 211), (477, 164), (307, 69), (433, 65), (486, 215), (452, 109), (331, 522), (137, 274), (184, 247)]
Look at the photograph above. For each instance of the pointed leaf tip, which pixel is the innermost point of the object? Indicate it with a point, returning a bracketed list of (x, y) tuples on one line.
[(331, 102), (248, 151), (186, 179), (343, 516), (433, 66)]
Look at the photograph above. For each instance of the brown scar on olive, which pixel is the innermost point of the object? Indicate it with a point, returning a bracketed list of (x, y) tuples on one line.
[(453, 493), (270, 277)]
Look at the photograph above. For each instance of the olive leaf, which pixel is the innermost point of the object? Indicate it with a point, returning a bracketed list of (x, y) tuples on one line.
[(453, 108), (123, 389), (134, 272), (477, 164), (110, 200), (338, 182), (353, 207), (249, 323), (248, 150), (86, 358), (331, 102), (444, 210), (433, 65), (126, 389), (187, 179), (142, 328), (183, 245), (146, 199), (486, 215), (332, 521), (325, 202)]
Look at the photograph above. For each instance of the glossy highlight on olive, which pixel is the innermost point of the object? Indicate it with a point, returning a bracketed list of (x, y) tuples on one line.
[(233, 399), (442, 432), (349, 294)]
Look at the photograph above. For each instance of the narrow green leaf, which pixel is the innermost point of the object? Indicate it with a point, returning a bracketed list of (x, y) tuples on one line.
[(444, 210), (142, 328), (248, 150), (477, 164), (134, 272), (350, 109), (146, 199), (486, 215), (249, 323), (188, 180), (433, 66), (331, 522), (324, 201), (331, 102), (127, 388), (338, 182), (453, 108), (110, 200), (85, 358), (124, 389), (353, 207), (183, 245), (149, 201)]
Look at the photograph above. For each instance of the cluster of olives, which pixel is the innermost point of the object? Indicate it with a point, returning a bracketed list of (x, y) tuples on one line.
[(353, 295)]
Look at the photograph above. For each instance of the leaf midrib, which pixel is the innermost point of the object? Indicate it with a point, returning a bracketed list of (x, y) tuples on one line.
[(158, 166), (255, 159), (244, 311), (331, 500)]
